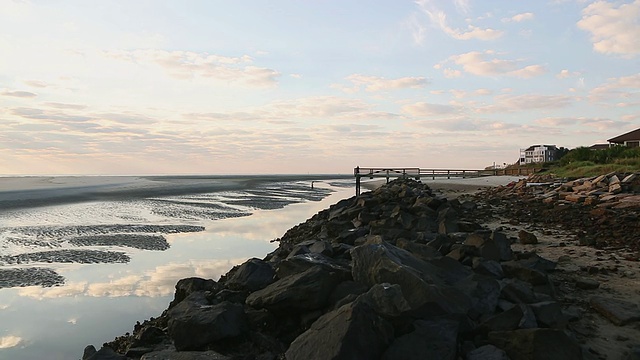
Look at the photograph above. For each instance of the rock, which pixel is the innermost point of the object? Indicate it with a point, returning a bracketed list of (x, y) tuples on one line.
[(527, 238), (576, 198), (386, 300), (549, 314), (536, 344), (385, 263), (184, 355), (619, 312), (515, 269), (487, 352), (487, 247), (185, 287), (507, 320), (587, 284), (252, 275), (192, 325), (105, 353), (447, 221), (300, 263), (353, 331), (430, 340), (308, 290), (503, 244)]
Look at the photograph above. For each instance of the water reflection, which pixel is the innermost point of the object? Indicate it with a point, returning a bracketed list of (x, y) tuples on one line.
[(9, 341), (157, 282), (101, 301)]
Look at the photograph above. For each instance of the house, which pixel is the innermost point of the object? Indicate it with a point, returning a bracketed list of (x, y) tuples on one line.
[(538, 153), (599, 146), (630, 139)]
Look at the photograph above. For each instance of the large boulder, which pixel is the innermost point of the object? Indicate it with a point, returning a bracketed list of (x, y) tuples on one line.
[(385, 263), (252, 275), (308, 290), (430, 340), (194, 322), (354, 331), (186, 286)]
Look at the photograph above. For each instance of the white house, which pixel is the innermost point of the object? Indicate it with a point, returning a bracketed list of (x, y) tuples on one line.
[(538, 153)]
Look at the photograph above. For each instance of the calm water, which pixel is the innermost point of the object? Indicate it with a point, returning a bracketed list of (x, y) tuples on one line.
[(100, 301)]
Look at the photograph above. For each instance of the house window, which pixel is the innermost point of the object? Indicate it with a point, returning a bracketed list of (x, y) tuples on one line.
[(633, 144)]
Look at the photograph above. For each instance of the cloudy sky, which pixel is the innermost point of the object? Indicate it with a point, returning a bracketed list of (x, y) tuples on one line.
[(264, 86)]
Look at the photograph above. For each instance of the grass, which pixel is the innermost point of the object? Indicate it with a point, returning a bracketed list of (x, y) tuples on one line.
[(583, 162)]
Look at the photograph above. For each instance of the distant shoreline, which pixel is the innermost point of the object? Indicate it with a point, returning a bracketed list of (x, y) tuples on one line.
[(36, 191)]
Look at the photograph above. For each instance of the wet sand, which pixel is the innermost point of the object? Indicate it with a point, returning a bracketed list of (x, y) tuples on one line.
[(452, 188), (35, 191)]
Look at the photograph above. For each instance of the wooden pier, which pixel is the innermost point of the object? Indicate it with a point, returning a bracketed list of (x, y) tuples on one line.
[(418, 173)]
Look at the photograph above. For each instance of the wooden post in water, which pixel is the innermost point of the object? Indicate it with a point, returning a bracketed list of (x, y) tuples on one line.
[(356, 172)]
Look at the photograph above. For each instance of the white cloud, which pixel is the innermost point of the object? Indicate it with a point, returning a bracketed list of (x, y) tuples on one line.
[(375, 83), (452, 73), (509, 103), (564, 73), (488, 64), (187, 64), (423, 109), (600, 124), (626, 87), (614, 27), (519, 17), (438, 19), (20, 94), (529, 72)]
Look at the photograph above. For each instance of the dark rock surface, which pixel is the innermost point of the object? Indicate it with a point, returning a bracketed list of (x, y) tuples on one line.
[(395, 273)]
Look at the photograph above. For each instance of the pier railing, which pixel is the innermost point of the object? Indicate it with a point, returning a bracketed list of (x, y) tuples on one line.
[(418, 173)]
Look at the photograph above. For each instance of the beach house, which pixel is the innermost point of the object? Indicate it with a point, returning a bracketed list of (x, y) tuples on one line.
[(538, 153), (630, 139)]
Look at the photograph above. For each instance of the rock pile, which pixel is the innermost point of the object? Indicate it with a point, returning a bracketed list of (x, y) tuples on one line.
[(607, 191), (390, 274), (602, 210)]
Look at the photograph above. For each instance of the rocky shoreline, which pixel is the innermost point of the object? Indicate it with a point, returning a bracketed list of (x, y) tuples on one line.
[(398, 273)]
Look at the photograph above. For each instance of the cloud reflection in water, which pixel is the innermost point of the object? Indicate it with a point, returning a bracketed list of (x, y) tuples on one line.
[(157, 282)]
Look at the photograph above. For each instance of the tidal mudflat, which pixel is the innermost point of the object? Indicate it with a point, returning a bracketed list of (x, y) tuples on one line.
[(87, 256)]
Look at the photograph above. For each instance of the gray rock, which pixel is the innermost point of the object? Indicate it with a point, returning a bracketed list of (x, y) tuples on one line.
[(536, 344), (252, 275), (487, 247), (192, 325), (386, 300), (619, 312), (309, 290), (587, 284), (430, 340), (303, 262), (185, 287), (549, 314), (353, 331), (487, 352), (385, 263), (488, 268), (183, 355), (503, 244), (527, 238), (105, 353), (447, 221)]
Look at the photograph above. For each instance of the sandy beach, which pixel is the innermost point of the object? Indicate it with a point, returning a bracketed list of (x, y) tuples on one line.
[(452, 188)]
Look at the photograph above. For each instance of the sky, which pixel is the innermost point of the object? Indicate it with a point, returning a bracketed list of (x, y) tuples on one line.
[(282, 86)]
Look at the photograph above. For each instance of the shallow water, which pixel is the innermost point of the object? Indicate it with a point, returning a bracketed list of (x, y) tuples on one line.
[(160, 236)]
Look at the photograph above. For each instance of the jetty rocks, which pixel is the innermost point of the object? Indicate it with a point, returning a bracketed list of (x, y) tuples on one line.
[(390, 274)]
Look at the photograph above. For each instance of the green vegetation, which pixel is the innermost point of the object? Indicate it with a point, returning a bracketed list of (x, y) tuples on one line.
[(582, 161)]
